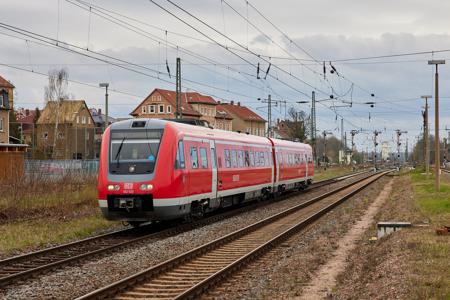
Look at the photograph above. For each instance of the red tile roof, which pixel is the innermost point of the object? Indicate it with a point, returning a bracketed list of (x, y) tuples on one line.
[(221, 113), (242, 112), (171, 96), (199, 98), (5, 83)]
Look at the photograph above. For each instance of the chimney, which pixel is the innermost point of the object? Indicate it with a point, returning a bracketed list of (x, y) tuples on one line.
[(27, 112), (239, 103), (278, 121), (218, 101), (232, 102), (99, 111)]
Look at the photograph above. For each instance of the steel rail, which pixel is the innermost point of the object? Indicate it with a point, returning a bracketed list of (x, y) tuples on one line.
[(31, 264), (189, 257)]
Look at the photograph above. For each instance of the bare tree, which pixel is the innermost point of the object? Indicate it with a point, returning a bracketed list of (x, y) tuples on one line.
[(298, 124), (56, 91)]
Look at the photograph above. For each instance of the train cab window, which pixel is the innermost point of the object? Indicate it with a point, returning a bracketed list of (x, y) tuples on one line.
[(180, 161), (234, 158), (252, 159), (194, 158), (227, 158), (267, 159), (203, 158), (246, 159), (240, 159)]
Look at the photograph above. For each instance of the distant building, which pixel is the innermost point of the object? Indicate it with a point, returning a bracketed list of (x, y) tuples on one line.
[(27, 119), (73, 124), (6, 104), (385, 151), (161, 104), (99, 124), (244, 119)]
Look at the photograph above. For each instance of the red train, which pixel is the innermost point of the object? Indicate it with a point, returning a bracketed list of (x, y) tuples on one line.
[(160, 170)]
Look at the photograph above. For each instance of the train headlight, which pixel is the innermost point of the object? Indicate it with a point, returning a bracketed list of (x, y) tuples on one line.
[(146, 187), (113, 187)]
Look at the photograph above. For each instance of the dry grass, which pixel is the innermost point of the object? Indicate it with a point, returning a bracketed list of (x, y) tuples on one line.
[(40, 210), (321, 174)]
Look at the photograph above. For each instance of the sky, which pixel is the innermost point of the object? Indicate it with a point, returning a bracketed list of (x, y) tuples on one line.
[(220, 44)]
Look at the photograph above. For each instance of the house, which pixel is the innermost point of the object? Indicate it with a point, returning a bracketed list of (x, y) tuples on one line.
[(244, 119), (6, 104), (161, 104), (99, 124), (27, 119), (65, 130)]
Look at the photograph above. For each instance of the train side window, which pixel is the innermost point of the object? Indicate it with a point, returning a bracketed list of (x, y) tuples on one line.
[(246, 159), (252, 158), (180, 161), (261, 157), (227, 158), (234, 158), (194, 158), (257, 159), (267, 159), (203, 158), (240, 159)]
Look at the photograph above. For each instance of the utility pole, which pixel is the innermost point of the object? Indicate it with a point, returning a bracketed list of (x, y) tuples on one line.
[(105, 85), (375, 144), (446, 141), (342, 141), (437, 161), (269, 113), (426, 139), (353, 133), (178, 113), (313, 123)]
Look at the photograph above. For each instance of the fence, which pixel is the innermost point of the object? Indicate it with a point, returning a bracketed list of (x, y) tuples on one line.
[(61, 167)]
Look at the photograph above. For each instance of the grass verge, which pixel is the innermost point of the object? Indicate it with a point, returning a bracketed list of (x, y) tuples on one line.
[(321, 174), (30, 235), (431, 263)]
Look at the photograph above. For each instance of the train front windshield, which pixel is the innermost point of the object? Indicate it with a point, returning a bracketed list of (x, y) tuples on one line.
[(134, 152)]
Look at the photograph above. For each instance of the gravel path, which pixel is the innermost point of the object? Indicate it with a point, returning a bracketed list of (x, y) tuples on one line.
[(72, 282)]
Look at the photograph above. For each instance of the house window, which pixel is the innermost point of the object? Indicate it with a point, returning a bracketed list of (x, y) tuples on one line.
[(1, 124), (2, 100), (161, 109), (151, 109), (83, 120), (169, 109), (89, 120), (87, 135), (78, 120), (144, 109), (60, 135), (45, 135)]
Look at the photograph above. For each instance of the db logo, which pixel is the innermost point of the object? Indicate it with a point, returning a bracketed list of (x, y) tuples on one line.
[(128, 186)]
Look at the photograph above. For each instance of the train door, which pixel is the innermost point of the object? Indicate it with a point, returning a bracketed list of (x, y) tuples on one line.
[(213, 169), (306, 165)]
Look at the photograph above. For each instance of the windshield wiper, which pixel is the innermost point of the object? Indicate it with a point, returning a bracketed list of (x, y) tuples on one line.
[(118, 151)]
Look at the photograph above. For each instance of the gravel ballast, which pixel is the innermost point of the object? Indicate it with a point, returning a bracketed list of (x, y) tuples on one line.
[(75, 281)]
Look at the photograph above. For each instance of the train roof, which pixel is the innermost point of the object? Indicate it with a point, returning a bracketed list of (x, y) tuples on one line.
[(201, 132)]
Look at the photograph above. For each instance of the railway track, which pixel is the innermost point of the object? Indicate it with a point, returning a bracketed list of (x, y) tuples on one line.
[(32, 264), (190, 274)]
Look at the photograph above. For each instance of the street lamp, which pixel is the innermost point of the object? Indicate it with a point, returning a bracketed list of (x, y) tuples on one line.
[(437, 161), (105, 85)]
